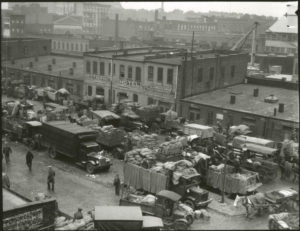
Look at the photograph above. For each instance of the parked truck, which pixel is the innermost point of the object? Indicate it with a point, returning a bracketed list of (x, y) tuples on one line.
[(192, 195), (76, 142)]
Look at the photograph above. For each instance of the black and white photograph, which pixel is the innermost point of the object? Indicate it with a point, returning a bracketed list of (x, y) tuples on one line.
[(150, 116)]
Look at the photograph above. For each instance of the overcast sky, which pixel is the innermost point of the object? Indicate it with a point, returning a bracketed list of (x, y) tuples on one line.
[(275, 9)]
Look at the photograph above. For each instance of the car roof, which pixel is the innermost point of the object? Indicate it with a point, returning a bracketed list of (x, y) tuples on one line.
[(169, 194)]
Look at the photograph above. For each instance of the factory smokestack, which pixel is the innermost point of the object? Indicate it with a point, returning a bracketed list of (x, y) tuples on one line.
[(117, 29)]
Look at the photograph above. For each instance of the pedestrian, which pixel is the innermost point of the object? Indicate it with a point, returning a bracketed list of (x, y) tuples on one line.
[(117, 184), (7, 151), (5, 181), (78, 215), (29, 157), (287, 169), (51, 178), (247, 204)]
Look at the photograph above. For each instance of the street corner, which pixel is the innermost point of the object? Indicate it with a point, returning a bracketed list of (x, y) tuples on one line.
[(226, 208)]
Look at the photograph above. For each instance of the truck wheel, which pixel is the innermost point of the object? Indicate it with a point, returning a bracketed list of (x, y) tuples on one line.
[(52, 153), (189, 219), (90, 168), (180, 225), (189, 203)]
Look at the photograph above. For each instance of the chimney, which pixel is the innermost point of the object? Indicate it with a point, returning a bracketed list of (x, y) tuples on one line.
[(117, 29), (49, 67), (74, 64), (232, 99), (255, 92), (36, 58), (275, 111), (53, 61), (71, 71), (31, 64), (156, 15), (281, 107)]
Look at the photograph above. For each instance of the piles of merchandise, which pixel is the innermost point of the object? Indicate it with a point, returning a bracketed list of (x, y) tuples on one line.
[(147, 200), (109, 135), (61, 223), (144, 141), (171, 150), (138, 156)]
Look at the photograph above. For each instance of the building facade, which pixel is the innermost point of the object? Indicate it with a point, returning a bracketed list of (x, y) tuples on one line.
[(68, 25), (16, 48), (13, 25)]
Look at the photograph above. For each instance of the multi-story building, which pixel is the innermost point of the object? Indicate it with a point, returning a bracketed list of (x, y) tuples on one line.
[(16, 48), (13, 25), (157, 75), (68, 25)]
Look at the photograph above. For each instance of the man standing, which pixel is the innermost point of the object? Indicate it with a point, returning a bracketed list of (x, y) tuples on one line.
[(117, 184), (29, 157), (7, 150), (78, 215), (5, 180), (51, 178)]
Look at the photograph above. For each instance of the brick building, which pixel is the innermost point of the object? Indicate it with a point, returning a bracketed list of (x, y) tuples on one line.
[(48, 70), (13, 25), (238, 105), (15, 48)]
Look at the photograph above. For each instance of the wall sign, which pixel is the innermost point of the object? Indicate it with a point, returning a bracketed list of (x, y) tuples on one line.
[(24, 221)]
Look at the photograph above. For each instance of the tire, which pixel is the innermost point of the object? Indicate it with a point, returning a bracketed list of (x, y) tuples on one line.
[(52, 153), (189, 203), (180, 225), (189, 219), (90, 168)]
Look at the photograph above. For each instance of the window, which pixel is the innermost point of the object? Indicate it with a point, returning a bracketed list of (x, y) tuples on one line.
[(192, 116), (99, 91), (160, 76), (58, 45), (78, 89), (114, 69), (151, 101), (25, 50), (76, 47), (95, 67), (198, 116), (90, 90), (150, 73), (86, 47), (170, 76), (88, 67), (129, 74), (122, 71), (102, 68), (135, 98), (232, 71), (211, 73), (69, 87), (109, 68), (200, 75), (138, 74)]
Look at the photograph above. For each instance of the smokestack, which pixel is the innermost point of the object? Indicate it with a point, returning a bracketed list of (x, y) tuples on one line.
[(156, 15), (281, 107), (232, 99), (255, 92), (116, 29)]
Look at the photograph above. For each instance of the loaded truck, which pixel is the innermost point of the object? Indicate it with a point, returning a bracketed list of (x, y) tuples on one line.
[(191, 195), (76, 142)]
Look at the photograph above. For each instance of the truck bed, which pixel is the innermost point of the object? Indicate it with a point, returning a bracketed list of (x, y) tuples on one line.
[(146, 209)]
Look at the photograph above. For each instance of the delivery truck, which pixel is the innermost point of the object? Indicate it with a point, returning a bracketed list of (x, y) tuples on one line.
[(76, 142)]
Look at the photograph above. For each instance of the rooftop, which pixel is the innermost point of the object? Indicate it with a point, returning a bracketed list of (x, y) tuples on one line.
[(11, 201), (61, 68), (246, 102), (287, 24)]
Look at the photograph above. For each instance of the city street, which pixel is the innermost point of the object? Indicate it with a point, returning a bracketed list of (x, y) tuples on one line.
[(74, 188)]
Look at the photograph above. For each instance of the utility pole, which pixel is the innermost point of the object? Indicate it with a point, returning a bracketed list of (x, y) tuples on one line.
[(253, 50), (192, 49)]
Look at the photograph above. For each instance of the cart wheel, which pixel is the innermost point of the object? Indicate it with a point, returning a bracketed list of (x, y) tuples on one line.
[(180, 225), (189, 203)]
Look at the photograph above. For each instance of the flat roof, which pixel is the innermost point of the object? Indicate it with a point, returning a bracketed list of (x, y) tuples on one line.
[(61, 68), (70, 127), (11, 201), (247, 103), (124, 213)]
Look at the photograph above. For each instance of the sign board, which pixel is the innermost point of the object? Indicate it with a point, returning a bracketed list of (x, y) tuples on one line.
[(220, 116), (24, 221)]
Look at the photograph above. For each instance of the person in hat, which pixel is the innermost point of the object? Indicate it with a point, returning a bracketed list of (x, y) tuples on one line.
[(51, 178), (78, 215), (117, 184), (29, 157), (6, 151)]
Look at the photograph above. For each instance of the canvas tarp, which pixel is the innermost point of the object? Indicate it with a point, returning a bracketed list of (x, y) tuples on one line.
[(141, 178)]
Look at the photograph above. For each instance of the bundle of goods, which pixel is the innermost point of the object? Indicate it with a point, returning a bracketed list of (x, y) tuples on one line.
[(144, 140), (147, 200), (109, 135), (61, 223), (161, 167), (171, 150), (140, 156)]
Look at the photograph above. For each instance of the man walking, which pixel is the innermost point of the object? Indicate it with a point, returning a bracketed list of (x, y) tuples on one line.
[(78, 215), (117, 184), (29, 157), (51, 178), (6, 151)]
